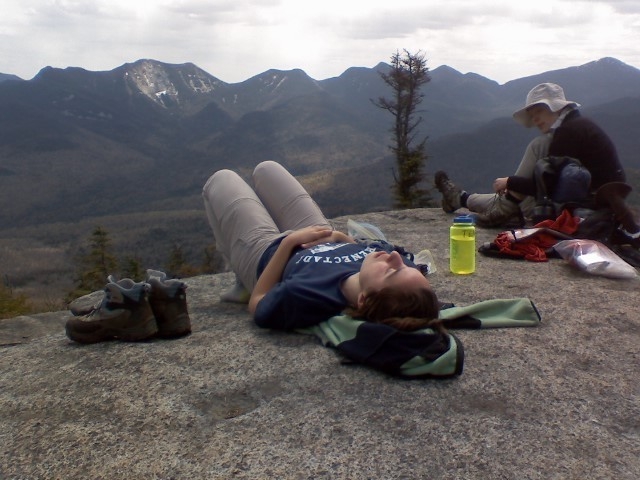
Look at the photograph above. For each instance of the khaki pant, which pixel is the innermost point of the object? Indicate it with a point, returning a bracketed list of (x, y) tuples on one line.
[(245, 220), (483, 202)]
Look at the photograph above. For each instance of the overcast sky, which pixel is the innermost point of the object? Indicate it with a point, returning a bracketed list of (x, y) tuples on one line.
[(234, 40)]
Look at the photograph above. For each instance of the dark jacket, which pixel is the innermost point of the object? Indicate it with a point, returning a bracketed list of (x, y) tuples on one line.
[(581, 138)]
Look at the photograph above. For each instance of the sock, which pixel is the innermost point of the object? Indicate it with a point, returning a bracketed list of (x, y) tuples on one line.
[(236, 294), (463, 199)]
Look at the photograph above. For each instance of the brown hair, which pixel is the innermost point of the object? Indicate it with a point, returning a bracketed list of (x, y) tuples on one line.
[(405, 310)]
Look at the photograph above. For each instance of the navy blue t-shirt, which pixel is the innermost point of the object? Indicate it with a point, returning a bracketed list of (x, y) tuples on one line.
[(309, 292)]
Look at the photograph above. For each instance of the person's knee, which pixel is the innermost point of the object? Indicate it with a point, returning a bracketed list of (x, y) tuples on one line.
[(267, 164), (265, 167), (269, 175), (221, 177)]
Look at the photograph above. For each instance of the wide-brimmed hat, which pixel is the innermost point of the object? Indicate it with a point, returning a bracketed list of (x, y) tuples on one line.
[(549, 94)]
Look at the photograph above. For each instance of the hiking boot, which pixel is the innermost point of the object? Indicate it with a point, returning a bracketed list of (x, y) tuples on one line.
[(168, 301), (450, 192), (86, 304), (621, 237), (123, 314), (502, 213)]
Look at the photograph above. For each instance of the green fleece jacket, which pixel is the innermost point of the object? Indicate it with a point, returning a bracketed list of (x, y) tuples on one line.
[(423, 353)]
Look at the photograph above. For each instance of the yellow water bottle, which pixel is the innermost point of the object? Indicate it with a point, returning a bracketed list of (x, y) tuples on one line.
[(462, 245)]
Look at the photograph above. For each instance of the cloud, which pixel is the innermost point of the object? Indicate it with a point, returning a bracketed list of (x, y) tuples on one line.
[(207, 12), (624, 6), (236, 39)]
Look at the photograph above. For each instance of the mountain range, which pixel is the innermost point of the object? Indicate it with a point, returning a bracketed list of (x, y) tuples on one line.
[(146, 135), (77, 146)]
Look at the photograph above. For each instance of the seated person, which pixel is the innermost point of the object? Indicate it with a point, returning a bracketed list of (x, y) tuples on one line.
[(564, 133), (298, 270)]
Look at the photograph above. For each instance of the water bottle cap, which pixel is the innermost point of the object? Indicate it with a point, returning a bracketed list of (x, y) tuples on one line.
[(464, 219)]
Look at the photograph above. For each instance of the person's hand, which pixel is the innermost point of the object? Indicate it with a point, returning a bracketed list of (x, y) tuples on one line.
[(339, 237), (305, 238), (500, 185), (273, 271), (309, 236)]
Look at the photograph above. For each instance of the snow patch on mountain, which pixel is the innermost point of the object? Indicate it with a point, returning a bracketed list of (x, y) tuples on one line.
[(166, 85), (152, 80)]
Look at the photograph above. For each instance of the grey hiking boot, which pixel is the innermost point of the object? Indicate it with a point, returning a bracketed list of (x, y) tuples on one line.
[(502, 213), (87, 303), (123, 314), (168, 300), (450, 192)]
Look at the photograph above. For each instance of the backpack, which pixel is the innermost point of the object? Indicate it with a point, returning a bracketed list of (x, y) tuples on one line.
[(560, 182)]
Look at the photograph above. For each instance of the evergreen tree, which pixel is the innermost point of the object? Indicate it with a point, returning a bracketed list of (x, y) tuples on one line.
[(177, 265), (408, 74), (132, 268), (94, 266)]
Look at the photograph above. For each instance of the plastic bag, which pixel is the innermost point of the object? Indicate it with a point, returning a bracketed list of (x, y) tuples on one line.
[(594, 257), (425, 258), (364, 231)]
